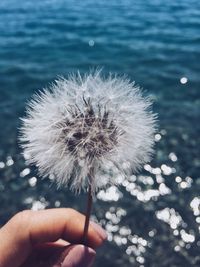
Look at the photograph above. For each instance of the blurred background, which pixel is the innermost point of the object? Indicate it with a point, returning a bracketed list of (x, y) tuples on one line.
[(152, 219)]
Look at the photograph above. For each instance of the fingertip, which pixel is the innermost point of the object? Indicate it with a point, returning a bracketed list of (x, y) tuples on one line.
[(99, 230), (79, 256)]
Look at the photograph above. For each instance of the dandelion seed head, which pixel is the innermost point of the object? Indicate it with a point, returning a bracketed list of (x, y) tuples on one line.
[(85, 128)]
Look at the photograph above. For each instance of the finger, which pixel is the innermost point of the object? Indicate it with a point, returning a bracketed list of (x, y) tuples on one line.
[(79, 256), (29, 228), (52, 255)]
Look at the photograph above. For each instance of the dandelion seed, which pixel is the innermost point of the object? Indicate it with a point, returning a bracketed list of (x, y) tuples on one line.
[(85, 130)]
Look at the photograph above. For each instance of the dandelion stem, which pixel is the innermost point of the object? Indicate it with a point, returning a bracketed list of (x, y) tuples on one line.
[(88, 213)]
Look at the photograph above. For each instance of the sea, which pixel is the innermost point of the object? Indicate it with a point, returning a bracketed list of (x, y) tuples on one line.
[(152, 218)]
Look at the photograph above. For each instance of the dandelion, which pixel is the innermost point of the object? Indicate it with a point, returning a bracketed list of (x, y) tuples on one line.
[(84, 129)]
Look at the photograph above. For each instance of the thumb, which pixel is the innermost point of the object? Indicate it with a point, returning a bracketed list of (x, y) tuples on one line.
[(55, 255), (79, 256)]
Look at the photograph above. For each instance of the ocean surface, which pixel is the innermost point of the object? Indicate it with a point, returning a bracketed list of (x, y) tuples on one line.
[(153, 218)]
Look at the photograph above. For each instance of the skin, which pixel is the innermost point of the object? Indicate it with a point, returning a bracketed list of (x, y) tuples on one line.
[(48, 238)]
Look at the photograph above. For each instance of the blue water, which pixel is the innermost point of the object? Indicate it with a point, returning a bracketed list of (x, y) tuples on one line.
[(153, 220)]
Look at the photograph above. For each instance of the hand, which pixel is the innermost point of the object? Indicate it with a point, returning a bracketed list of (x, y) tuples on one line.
[(48, 238)]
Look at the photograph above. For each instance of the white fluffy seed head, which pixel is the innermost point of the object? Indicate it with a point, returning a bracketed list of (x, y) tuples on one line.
[(85, 130)]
